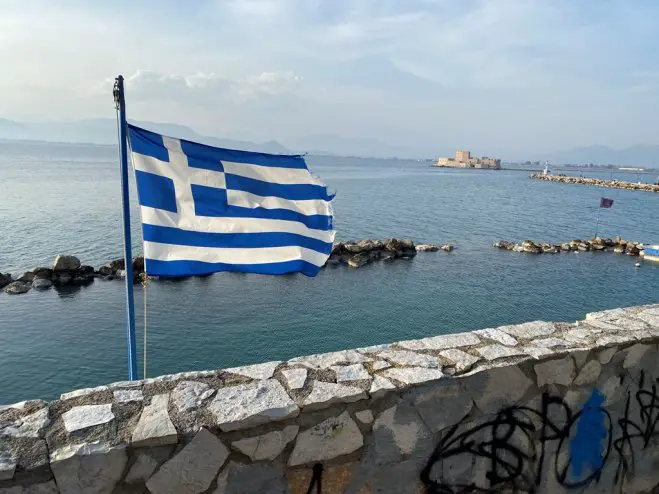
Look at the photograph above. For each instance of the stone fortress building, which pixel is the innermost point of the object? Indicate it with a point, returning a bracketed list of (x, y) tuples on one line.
[(463, 159)]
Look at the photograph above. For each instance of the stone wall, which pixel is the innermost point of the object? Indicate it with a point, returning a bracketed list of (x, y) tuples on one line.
[(535, 407)]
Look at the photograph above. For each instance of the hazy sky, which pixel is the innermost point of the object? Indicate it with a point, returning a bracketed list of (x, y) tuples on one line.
[(502, 77)]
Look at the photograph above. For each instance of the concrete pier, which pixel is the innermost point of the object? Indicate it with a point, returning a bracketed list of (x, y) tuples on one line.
[(612, 184)]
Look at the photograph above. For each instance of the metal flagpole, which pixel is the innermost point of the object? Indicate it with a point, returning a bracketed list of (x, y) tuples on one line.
[(120, 105), (597, 228)]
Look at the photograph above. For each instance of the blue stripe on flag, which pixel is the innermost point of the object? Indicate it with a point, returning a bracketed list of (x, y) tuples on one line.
[(292, 192), (176, 236), (313, 221), (147, 143), (196, 268), (156, 191), (210, 158), (209, 201)]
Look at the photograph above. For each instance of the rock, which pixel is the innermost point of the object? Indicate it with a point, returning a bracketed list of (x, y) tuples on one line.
[(105, 271), (462, 360), (193, 469), (190, 395), (334, 260), (619, 249), (359, 260), (5, 279), (566, 247), (66, 263), (351, 247), (79, 279), (529, 330), (502, 386), (555, 372), (7, 466), (501, 244), (128, 395), (30, 426), (447, 248), (237, 478), (120, 273), (88, 467), (365, 416), (413, 375), (589, 373), (116, 265), (427, 248), (249, 405), (85, 416), (27, 277), (334, 437), (354, 372), (62, 278), (138, 264), (496, 351), (337, 248), (268, 446), (380, 364), (399, 432), (324, 395), (598, 247), (41, 284), (367, 245), (43, 273), (142, 469), (405, 357), (295, 378), (583, 246), (442, 342), (326, 360), (380, 387), (632, 250), (497, 335), (155, 428), (17, 288), (531, 247), (258, 371), (518, 248)]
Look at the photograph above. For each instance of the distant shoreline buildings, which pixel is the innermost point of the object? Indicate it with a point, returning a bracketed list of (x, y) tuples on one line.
[(463, 159)]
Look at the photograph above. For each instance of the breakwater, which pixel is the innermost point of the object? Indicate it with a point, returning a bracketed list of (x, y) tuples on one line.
[(597, 244), (68, 269), (533, 407), (598, 182)]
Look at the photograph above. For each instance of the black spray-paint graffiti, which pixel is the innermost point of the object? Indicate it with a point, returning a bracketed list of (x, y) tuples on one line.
[(316, 479), (514, 448)]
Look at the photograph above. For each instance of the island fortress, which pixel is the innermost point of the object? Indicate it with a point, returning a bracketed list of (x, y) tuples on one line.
[(463, 159)]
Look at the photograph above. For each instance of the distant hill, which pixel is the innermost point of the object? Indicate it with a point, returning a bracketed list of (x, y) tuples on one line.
[(642, 155), (328, 144), (104, 131)]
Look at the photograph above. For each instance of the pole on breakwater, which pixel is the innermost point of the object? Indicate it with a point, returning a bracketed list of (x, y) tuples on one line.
[(120, 105)]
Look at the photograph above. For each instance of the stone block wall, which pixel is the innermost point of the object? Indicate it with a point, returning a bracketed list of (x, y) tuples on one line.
[(537, 407)]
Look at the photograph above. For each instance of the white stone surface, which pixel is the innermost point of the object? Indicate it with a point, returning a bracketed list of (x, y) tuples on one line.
[(380, 364), (249, 405), (559, 371), (413, 375), (325, 394), (551, 343), (334, 437), (374, 348), (588, 373), (258, 371), (354, 372), (634, 354), (380, 387), (82, 392), (268, 446), (650, 316), (611, 339), (29, 426), (190, 395), (529, 330), (405, 357), (442, 342), (142, 469), (536, 352), (496, 351), (15, 406), (326, 360), (155, 428), (607, 314), (295, 378), (462, 360), (614, 325), (193, 469), (86, 416), (497, 335), (579, 336), (365, 416), (89, 467), (7, 466), (128, 395)]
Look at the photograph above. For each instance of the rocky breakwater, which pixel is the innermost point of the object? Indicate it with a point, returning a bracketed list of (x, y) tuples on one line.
[(359, 253), (597, 244), (613, 184), (67, 270)]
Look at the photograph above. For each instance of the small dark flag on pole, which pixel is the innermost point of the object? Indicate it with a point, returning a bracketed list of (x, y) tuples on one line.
[(606, 203)]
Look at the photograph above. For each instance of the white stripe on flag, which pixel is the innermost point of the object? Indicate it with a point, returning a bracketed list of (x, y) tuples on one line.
[(182, 176), (288, 176), (171, 252), (249, 200), (160, 217)]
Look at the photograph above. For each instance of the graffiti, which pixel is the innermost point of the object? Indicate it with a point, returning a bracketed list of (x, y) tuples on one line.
[(316, 479), (515, 448), (643, 429)]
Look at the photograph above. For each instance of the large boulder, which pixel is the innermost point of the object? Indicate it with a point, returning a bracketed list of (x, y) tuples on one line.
[(396, 245), (41, 284), (27, 277), (63, 278), (116, 264), (448, 248), (566, 247), (66, 263), (359, 260), (105, 271), (633, 250), (42, 273), (17, 287), (427, 248), (352, 247), (530, 247), (138, 264), (5, 279)]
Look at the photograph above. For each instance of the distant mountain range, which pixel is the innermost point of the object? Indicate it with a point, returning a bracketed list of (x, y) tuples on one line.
[(642, 155)]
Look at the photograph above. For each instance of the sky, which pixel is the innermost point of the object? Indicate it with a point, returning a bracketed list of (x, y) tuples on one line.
[(499, 77)]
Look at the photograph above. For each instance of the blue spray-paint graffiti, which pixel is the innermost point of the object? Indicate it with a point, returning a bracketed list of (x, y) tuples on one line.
[(588, 445)]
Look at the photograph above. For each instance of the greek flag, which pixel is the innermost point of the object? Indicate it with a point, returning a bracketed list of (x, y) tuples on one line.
[(207, 209)]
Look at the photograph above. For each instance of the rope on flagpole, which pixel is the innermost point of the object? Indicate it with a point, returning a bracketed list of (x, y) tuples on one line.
[(145, 283)]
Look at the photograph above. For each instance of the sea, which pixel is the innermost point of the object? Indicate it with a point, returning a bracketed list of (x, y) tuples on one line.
[(62, 198)]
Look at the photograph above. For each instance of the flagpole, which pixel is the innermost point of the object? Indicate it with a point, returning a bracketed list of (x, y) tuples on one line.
[(120, 103), (597, 228)]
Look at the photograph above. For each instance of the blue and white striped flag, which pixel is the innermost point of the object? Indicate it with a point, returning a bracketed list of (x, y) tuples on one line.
[(207, 209)]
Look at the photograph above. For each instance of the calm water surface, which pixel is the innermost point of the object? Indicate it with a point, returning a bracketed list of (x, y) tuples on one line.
[(58, 199)]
